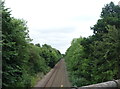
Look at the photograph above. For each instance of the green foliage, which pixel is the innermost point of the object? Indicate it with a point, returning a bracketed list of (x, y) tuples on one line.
[(97, 58), (36, 62), (15, 41), (110, 15), (51, 55), (22, 60), (77, 65)]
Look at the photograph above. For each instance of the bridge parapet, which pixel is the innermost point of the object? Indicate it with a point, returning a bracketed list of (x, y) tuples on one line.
[(115, 84)]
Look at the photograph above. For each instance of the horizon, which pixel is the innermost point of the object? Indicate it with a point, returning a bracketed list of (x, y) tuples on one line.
[(57, 23)]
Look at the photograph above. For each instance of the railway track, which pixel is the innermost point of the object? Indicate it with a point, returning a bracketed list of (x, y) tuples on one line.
[(57, 77), (53, 75)]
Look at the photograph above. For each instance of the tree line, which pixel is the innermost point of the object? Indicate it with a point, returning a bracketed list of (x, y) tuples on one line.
[(23, 61), (96, 58)]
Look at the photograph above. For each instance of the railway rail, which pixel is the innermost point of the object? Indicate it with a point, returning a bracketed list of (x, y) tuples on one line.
[(57, 77)]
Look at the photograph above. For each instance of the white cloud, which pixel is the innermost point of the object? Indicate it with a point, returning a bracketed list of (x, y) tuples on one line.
[(57, 22)]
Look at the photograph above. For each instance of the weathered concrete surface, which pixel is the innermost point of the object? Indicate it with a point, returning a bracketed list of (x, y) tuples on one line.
[(115, 84)]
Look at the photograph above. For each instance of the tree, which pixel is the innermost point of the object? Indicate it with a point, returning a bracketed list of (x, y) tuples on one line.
[(22, 60), (97, 58), (14, 54), (112, 40), (109, 16)]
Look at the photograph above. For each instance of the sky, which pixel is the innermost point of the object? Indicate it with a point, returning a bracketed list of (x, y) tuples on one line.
[(58, 22)]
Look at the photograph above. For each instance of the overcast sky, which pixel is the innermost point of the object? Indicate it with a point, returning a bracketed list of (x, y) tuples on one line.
[(57, 22)]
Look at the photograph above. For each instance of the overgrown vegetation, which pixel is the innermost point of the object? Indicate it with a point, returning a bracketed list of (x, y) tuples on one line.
[(22, 60), (89, 60), (97, 58)]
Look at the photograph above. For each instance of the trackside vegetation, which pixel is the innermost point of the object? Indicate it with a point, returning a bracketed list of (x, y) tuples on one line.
[(96, 58), (23, 61)]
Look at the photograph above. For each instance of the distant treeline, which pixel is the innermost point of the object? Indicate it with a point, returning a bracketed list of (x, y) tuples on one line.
[(22, 61), (96, 58)]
